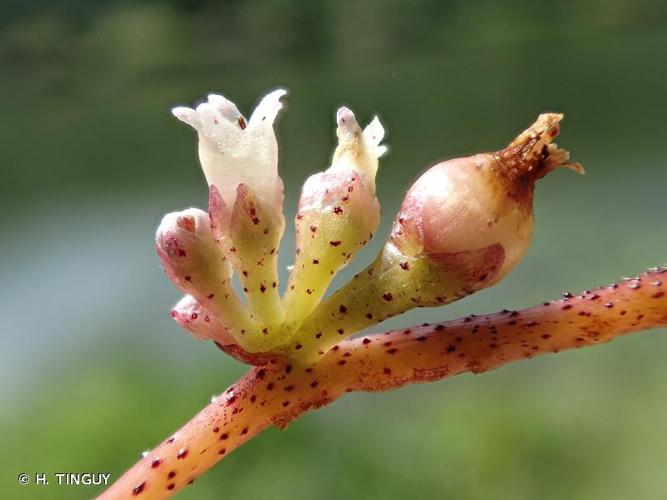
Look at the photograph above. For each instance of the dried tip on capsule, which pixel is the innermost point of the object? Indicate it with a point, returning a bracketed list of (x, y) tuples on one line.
[(533, 154)]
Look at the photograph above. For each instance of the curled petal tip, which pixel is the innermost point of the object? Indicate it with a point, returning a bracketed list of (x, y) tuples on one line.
[(227, 108), (373, 135), (268, 108), (575, 167), (187, 115), (346, 120)]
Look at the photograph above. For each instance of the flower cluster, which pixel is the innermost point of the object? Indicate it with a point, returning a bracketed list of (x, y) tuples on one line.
[(463, 225)]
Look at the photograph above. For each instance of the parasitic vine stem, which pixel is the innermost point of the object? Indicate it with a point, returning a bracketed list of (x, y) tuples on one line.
[(276, 394)]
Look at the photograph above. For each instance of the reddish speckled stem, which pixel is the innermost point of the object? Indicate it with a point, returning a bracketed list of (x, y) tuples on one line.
[(280, 392)]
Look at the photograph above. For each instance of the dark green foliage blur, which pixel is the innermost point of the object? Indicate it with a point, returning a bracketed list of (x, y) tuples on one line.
[(93, 371)]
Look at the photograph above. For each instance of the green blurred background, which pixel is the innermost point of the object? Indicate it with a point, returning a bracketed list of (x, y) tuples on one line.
[(93, 370)]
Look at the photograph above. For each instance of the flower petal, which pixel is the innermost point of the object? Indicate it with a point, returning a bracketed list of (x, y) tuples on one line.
[(358, 150)]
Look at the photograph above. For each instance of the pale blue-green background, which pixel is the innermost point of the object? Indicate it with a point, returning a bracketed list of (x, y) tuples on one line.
[(92, 370)]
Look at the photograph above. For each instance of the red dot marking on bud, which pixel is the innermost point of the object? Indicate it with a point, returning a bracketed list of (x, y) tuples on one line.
[(171, 475), (405, 266), (335, 243), (171, 486), (337, 210), (182, 453), (156, 463), (241, 123), (388, 297), (262, 288)]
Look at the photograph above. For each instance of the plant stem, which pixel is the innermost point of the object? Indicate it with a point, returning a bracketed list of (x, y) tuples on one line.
[(278, 393)]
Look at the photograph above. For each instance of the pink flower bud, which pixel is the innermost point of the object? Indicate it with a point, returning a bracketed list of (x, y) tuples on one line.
[(189, 253), (194, 262), (203, 325), (478, 210), (190, 315)]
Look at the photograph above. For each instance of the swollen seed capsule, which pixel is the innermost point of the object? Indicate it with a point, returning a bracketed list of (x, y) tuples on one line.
[(463, 226), (468, 204)]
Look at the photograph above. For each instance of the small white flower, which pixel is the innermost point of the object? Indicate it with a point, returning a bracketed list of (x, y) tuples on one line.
[(234, 151), (358, 150)]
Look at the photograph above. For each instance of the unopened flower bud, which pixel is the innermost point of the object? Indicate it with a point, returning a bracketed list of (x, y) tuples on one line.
[(194, 262), (337, 215), (203, 325)]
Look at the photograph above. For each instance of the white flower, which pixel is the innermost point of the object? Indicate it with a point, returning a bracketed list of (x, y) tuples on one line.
[(233, 151), (358, 150)]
